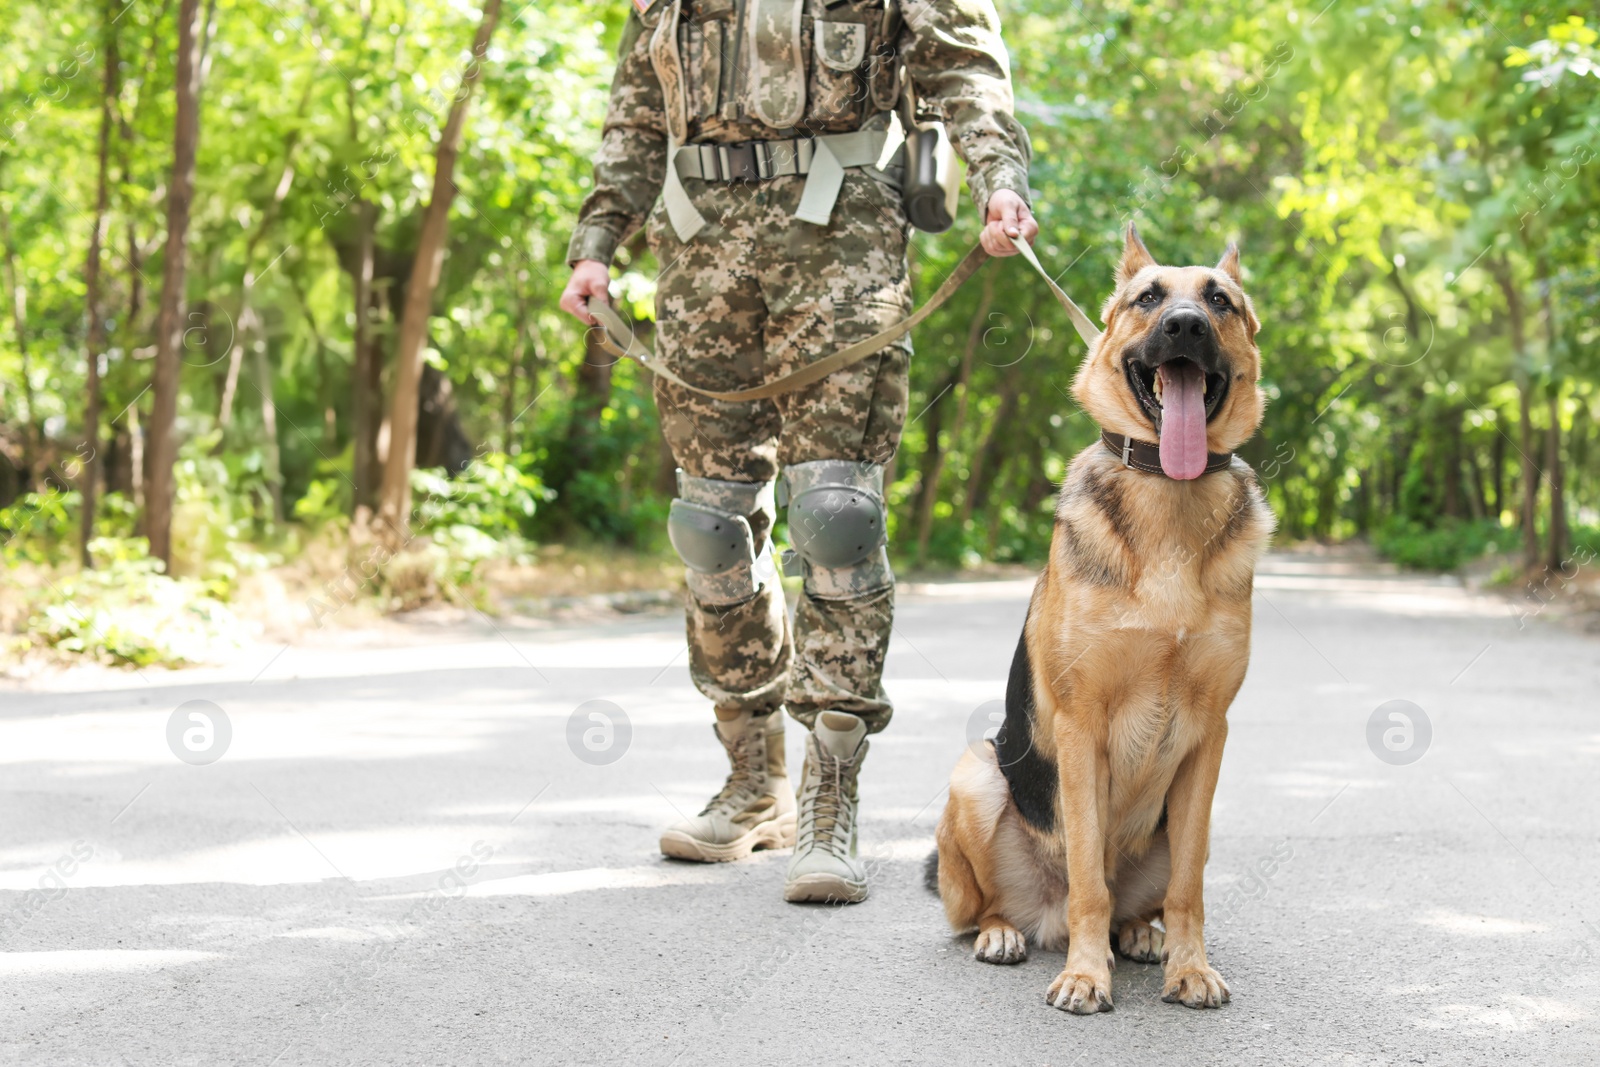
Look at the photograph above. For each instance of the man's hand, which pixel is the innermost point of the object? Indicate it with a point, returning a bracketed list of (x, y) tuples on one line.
[(589, 278), (1008, 217)]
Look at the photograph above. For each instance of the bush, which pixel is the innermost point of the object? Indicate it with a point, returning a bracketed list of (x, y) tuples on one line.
[(39, 528), (1442, 547), (326, 500), (494, 495), (128, 612), (461, 524), (42, 528)]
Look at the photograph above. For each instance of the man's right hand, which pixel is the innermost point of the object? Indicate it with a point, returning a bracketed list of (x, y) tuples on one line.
[(589, 278)]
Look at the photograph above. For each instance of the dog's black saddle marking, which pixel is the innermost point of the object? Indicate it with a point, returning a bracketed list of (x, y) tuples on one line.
[(1032, 778)]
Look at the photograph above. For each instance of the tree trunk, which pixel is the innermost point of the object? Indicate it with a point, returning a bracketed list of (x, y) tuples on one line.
[(247, 320), (986, 464), (1477, 503), (169, 324), (1327, 506), (1520, 369), (441, 439), (931, 459), (19, 316), (1452, 465), (934, 471), (319, 359), (1556, 551), (89, 478), (1578, 448), (136, 468), (591, 394), (1555, 557), (250, 329), (394, 508), (1497, 470), (269, 424), (366, 373)]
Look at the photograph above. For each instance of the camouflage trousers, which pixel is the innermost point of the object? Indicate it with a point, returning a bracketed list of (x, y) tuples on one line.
[(756, 294)]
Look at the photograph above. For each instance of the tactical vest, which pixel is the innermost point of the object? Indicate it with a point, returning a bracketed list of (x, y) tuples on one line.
[(734, 70), (757, 89)]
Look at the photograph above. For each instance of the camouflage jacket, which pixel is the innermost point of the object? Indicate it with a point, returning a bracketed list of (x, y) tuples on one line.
[(722, 86)]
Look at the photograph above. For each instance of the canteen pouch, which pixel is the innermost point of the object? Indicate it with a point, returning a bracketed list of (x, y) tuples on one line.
[(932, 179)]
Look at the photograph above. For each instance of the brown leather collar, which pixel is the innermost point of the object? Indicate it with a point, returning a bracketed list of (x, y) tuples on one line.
[(1144, 456)]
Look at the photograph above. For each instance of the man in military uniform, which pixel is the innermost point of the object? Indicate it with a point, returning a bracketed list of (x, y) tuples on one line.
[(758, 143)]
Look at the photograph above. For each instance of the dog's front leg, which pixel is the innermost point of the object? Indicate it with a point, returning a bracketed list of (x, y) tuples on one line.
[(1084, 984), (1190, 980)]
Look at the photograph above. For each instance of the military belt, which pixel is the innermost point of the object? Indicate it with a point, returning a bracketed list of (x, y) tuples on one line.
[(616, 336), (751, 161), (823, 159)]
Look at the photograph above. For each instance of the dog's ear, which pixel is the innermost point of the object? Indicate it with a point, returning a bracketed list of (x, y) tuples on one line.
[(1252, 323), (1229, 263), (1135, 256)]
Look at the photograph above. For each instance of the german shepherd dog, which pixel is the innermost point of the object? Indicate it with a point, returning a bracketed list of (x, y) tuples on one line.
[(1088, 816)]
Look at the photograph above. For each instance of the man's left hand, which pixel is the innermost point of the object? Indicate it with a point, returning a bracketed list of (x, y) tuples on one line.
[(1008, 217)]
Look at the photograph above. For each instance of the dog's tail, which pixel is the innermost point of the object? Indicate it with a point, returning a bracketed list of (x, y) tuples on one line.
[(930, 871)]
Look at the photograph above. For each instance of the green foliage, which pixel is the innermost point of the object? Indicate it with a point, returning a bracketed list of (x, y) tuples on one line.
[(42, 528), (1586, 541), (604, 470), (212, 516), (496, 496), (468, 520), (1440, 547), (128, 612), (38, 528), (1397, 174), (325, 500)]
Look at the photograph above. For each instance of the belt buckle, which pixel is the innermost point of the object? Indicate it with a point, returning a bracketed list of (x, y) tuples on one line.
[(738, 162), (710, 161)]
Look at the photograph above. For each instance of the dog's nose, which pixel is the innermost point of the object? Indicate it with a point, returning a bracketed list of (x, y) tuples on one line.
[(1185, 322)]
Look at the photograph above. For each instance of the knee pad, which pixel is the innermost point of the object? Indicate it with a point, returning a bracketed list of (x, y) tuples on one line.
[(838, 529), (709, 530)]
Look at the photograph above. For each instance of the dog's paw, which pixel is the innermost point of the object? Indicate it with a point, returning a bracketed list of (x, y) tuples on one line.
[(1195, 987), (1000, 944), (1140, 942), (1081, 994)]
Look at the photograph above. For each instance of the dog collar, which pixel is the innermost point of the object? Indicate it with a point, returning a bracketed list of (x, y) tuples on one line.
[(1144, 456)]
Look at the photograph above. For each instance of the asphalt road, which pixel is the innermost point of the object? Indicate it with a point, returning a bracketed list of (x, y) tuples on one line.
[(399, 858)]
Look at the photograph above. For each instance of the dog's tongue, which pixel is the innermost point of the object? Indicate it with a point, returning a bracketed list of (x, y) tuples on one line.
[(1183, 420)]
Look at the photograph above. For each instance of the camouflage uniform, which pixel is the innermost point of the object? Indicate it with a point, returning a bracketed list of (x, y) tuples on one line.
[(751, 291)]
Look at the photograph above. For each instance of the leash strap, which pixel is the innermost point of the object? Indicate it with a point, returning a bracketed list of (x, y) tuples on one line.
[(618, 339), (1080, 322)]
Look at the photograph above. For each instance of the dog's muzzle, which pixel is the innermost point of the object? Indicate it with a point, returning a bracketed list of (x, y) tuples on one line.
[(1184, 332)]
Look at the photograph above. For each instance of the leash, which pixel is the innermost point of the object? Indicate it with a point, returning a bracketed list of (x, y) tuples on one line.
[(618, 339)]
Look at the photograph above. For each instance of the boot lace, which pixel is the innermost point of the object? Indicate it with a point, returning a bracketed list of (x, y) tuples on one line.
[(744, 781), (825, 796)]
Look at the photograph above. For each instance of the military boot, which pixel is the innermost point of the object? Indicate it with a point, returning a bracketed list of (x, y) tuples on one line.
[(825, 867), (755, 808)]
